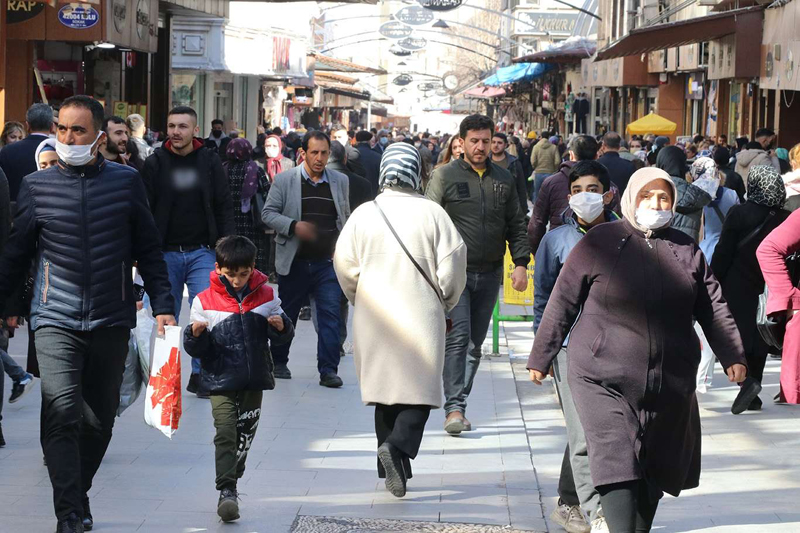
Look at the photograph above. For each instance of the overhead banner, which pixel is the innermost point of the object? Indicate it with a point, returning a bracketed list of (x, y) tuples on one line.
[(440, 5), (412, 43), (401, 52), (403, 79), (395, 30), (414, 16)]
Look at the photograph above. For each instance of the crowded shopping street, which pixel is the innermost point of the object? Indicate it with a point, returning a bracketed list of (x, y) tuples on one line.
[(365, 266)]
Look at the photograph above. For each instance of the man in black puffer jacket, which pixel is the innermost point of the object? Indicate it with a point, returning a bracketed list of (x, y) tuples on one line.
[(85, 222)]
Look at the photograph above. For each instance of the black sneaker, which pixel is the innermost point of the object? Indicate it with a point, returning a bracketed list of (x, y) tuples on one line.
[(2, 440), (88, 521), (748, 392), (331, 380), (282, 372), (71, 524), (228, 506), (21, 388), (194, 382), (305, 313), (390, 458), (755, 405)]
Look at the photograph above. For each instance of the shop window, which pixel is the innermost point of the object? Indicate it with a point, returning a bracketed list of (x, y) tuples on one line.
[(223, 100), (189, 90)]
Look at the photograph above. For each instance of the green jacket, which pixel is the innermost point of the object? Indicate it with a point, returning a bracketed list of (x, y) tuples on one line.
[(485, 210)]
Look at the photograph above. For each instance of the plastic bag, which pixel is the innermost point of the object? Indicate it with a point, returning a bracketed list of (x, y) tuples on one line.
[(145, 324), (162, 405), (132, 377), (705, 372)]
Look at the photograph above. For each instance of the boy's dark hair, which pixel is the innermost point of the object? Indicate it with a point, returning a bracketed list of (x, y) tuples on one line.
[(475, 123), (183, 110), (584, 147), (90, 104), (314, 134), (501, 135), (235, 252), (113, 119), (591, 168)]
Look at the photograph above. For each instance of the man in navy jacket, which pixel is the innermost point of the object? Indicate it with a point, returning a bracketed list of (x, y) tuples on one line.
[(17, 160)]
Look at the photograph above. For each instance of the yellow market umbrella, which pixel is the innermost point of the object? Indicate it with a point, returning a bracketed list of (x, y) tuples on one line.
[(652, 123)]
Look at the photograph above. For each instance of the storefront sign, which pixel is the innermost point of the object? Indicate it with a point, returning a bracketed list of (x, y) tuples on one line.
[(403, 79), (412, 43), (143, 19), (401, 52), (120, 13), (440, 5), (546, 22), (78, 16), (414, 16), (20, 11), (395, 30)]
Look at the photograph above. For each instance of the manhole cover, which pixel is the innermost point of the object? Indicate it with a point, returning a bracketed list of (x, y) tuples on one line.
[(328, 524)]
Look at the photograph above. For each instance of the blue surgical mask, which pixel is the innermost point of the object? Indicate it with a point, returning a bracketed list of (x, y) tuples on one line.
[(384, 141)]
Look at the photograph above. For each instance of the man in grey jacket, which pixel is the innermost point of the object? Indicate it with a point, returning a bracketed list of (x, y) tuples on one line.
[(307, 207)]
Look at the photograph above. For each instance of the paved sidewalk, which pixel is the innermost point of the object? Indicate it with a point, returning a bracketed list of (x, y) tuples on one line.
[(313, 456)]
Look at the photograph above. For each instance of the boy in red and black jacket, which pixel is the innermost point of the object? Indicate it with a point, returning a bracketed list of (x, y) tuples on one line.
[(233, 323)]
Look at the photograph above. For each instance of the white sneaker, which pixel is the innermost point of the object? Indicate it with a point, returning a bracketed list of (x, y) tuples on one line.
[(599, 525), (570, 518)]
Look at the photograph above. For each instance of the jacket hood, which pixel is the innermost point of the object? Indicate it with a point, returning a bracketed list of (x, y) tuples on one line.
[(672, 160), (792, 182), (745, 157), (511, 159), (256, 280)]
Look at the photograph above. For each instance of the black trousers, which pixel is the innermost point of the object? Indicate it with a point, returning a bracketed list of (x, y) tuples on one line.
[(628, 506), (566, 482), (81, 375), (401, 426)]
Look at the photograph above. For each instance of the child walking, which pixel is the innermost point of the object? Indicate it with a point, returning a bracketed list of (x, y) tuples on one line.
[(232, 325)]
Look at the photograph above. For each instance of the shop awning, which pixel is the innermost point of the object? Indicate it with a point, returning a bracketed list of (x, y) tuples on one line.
[(516, 73), (679, 33), (352, 91), (332, 64), (651, 123), (485, 92), (571, 51), (335, 77)]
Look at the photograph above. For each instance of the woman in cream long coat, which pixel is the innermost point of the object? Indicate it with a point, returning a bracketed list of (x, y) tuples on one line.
[(399, 322)]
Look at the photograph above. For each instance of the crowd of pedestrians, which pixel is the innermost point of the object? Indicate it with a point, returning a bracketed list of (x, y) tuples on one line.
[(651, 260)]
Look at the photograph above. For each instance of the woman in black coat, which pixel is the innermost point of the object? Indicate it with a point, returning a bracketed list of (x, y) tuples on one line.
[(737, 269), (634, 286)]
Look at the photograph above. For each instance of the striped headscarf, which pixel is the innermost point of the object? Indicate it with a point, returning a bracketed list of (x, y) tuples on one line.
[(400, 167)]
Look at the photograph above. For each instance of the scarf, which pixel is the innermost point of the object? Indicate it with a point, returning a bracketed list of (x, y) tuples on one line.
[(241, 151), (400, 167), (274, 164), (765, 186), (705, 175), (792, 182), (639, 180)]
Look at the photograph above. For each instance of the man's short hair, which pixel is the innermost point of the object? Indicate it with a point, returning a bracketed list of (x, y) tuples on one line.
[(475, 123), (764, 132), (545, 134), (584, 147), (591, 168), (217, 121), (183, 110), (501, 135), (753, 145), (88, 103), (612, 140), (338, 153), (277, 131), (235, 252), (363, 136), (135, 122), (722, 156), (697, 139), (40, 117), (314, 134), (115, 119)]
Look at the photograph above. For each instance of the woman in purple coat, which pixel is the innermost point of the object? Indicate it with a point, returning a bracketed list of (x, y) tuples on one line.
[(634, 287)]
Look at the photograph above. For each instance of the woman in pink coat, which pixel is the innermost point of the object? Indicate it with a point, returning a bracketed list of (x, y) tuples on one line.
[(784, 297)]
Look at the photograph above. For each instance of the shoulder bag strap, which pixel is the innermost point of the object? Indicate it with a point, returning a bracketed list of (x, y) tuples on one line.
[(753, 234), (408, 254), (719, 213)]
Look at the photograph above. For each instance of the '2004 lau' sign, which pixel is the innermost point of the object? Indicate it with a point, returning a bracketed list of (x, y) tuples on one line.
[(78, 16)]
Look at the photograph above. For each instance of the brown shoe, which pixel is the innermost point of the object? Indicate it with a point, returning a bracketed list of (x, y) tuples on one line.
[(454, 423)]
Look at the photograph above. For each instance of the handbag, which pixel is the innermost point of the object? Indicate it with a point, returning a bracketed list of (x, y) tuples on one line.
[(413, 261), (773, 328), (256, 208)]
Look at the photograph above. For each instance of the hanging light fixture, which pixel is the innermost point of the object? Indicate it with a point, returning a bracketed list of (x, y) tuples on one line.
[(441, 24)]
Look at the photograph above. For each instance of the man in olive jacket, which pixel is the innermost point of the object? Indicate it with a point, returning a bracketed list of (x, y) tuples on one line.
[(481, 199)]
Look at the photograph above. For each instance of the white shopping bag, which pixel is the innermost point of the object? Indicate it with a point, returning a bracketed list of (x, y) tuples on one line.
[(162, 405), (705, 372)]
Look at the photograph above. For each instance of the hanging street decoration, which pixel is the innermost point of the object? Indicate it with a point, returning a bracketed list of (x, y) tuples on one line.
[(442, 92), (450, 81), (425, 87), (403, 79), (414, 15), (400, 52), (440, 5), (395, 30), (412, 43)]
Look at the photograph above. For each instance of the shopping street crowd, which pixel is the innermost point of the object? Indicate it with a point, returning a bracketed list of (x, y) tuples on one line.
[(651, 263)]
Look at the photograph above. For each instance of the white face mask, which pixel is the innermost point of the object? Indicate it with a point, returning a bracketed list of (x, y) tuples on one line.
[(272, 152), (652, 219), (587, 205), (76, 155)]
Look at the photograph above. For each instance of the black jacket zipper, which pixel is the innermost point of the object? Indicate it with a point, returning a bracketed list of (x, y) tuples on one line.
[(86, 270)]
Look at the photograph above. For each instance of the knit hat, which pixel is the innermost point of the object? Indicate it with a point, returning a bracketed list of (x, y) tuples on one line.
[(553, 139), (531, 135)]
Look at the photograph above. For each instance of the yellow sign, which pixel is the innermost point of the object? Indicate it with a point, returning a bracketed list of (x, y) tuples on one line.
[(120, 109), (510, 296)]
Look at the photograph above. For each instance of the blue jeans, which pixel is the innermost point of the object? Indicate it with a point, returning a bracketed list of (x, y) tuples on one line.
[(538, 179), (317, 280), (462, 354), (192, 269)]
